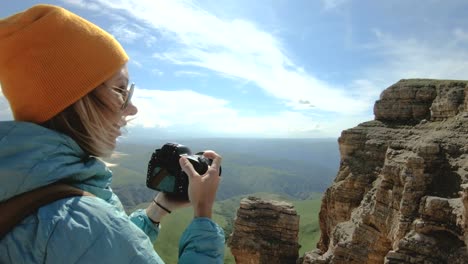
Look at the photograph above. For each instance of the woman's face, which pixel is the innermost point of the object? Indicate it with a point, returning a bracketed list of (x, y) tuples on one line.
[(120, 102)]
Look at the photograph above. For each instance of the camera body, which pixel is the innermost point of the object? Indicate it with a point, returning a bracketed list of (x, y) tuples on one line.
[(165, 174)]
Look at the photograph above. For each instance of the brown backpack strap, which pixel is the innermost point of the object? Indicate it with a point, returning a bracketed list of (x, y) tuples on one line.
[(15, 209)]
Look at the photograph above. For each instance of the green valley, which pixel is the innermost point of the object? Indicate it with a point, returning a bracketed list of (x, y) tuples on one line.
[(293, 170), (174, 224)]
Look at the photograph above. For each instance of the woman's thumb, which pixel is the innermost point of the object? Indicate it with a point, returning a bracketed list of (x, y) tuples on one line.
[(187, 167)]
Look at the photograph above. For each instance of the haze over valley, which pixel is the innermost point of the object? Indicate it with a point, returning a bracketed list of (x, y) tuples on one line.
[(295, 168)]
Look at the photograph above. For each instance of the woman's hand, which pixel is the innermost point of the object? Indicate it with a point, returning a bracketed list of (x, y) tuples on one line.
[(202, 188)]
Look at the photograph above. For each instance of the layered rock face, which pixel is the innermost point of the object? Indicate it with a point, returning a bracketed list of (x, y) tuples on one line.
[(401, 194), (265, 231)]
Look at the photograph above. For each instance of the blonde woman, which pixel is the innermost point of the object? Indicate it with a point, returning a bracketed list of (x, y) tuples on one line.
[(68, 88)]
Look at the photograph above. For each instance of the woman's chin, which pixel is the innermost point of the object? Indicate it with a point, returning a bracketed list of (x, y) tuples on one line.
[(112, 144)]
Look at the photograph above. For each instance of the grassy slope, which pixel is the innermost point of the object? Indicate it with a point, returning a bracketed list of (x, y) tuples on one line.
[(174, 224), (309, 229)]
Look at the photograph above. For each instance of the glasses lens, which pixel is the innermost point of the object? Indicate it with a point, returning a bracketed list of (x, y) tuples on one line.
[(129, 96)]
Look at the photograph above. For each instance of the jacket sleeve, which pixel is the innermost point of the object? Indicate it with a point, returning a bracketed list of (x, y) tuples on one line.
[(92, 231), (202, 242), (140, 219)]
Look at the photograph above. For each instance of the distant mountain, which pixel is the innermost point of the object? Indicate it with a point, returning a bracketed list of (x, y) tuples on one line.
[(293, 167)]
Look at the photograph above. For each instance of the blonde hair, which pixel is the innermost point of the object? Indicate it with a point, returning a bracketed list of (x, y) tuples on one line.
[(91, 121)]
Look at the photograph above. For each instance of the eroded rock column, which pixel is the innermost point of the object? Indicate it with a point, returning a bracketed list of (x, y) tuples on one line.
[(265, 231)]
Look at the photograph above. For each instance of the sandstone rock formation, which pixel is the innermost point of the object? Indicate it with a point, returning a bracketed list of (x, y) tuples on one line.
[(401, 193), (265, 231)]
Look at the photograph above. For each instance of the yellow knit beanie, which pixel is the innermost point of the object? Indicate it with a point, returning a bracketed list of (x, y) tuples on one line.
[(50, 58)]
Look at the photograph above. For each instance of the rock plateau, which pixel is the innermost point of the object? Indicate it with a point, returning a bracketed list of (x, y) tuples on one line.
[(401, 193)]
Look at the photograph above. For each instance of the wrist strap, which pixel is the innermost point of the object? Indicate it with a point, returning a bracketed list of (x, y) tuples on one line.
[(162, 207)]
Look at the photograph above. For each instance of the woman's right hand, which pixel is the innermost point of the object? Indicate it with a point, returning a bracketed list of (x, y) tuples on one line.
[(202, 188)]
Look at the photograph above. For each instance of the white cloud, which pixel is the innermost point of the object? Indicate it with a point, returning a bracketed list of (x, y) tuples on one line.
[(406, 58), (416, 58), (188, 73), (237, 48), (130, 33), (136, 63), (460, 35), (240, 49), (124, 33), (157, 107), (332, 4), (206, 114), (124, 30), (84, 4), (157, 72)]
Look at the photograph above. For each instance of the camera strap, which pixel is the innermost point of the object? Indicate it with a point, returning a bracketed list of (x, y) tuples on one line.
[(15, 209)]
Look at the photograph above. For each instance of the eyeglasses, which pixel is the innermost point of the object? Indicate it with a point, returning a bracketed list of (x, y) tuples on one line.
[(128, 97)]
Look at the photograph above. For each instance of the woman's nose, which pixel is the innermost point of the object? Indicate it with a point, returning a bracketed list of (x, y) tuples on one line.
[(130, 110)]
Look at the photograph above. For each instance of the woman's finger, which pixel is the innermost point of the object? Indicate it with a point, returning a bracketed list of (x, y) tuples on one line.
[(216, 159), (187, 167)]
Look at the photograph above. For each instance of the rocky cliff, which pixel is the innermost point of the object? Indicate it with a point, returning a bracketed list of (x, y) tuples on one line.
[(265, 231), (401, 193)]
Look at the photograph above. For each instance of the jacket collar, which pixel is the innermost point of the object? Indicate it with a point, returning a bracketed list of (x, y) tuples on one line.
[(32, 156)]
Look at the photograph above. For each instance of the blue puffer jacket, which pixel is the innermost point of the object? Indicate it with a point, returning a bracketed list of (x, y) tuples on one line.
[(81, 229)]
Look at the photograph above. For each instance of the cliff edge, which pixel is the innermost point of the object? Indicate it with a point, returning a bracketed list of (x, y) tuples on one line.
[(401, 193)]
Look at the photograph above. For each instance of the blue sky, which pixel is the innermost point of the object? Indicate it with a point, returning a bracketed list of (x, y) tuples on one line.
[(279, 69)]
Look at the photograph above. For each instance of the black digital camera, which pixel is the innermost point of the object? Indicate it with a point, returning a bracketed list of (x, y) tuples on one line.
[(165, 174)]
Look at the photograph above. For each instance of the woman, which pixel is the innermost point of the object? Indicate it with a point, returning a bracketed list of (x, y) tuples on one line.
[(66, 82)]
